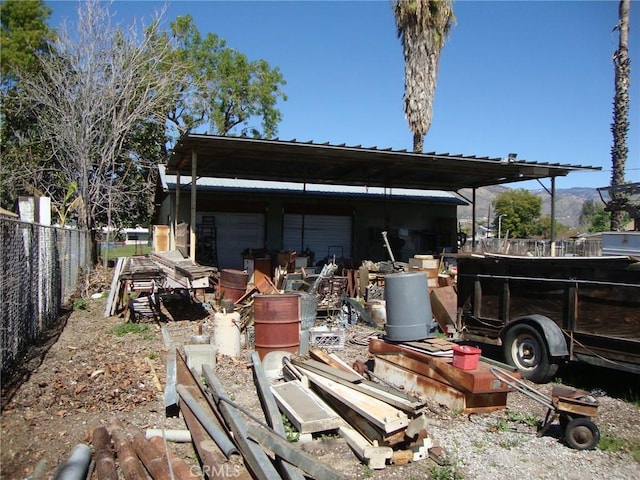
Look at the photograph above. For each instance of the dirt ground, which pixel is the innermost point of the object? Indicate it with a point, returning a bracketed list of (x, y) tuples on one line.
[(84, 374)]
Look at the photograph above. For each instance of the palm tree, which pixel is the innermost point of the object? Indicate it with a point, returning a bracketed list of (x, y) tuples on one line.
[(620, 126), (423, 26)]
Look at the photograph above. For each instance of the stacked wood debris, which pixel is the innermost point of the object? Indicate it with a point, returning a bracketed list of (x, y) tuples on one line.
[(318, 395), (381, 423), (224, 440), (146, 276)]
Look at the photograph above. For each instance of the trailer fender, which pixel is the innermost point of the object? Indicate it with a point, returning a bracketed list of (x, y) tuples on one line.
[(552, 333)]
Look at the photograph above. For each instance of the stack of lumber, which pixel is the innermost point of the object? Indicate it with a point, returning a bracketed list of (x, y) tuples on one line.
[(227, 443), (182, 272), (381, 423), (152, 274), (427, 264)]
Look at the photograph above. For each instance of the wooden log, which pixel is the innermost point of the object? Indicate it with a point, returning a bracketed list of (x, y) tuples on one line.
[(151, 457), (105, 463), (129, 463), (181, 469)]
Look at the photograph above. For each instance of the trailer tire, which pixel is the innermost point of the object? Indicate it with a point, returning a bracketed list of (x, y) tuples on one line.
[(582, 434), (526, 350)]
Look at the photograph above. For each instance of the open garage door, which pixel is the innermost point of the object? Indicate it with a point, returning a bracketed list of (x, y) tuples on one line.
[(324, 235)]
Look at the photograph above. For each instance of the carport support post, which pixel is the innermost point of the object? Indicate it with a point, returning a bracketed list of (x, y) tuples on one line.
[(473, 220), (192, 226), (174, 224), (553, 216)]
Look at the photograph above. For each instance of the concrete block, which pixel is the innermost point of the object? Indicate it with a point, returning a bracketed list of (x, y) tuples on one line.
[(199, 355)]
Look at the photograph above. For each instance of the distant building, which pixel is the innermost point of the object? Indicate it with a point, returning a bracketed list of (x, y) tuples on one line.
[(128, 236)]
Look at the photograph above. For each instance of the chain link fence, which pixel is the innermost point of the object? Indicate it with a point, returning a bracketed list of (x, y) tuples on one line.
[(40, 268), (581, 247)]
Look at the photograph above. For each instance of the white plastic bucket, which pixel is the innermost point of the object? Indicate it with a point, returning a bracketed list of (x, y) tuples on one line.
[(226, 333)]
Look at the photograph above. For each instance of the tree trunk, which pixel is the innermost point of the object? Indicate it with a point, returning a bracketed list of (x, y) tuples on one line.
[(620, 126), (418, 142)]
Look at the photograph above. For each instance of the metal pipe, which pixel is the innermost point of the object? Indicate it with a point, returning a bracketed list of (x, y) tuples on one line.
[(221, 439), (256, 459), (76, 466), (272, 414), (178, 436), (386, 242)]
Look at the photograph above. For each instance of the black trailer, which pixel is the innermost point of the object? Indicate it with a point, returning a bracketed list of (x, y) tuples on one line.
[(547, 310)]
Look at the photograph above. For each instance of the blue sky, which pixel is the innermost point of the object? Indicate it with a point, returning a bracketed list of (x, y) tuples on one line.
[(530, 77)]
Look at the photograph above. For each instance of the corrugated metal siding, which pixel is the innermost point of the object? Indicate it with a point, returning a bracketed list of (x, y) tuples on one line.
[(237, 232), (323, 234)]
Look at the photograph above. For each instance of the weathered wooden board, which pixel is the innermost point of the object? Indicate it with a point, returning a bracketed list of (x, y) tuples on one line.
[(303, 408)]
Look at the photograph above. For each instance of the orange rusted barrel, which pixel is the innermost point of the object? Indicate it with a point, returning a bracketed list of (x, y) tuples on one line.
[(277, 323), (233, 284)]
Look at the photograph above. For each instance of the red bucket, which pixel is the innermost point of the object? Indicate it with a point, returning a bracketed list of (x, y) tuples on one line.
[(466, 357)]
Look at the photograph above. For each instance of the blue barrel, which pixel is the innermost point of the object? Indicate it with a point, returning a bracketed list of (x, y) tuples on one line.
[(408, 307)]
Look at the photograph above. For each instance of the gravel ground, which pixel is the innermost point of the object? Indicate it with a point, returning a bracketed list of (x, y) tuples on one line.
[(80, 379)]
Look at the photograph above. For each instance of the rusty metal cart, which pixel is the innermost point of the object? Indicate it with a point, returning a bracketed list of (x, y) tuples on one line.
[(574, 409)]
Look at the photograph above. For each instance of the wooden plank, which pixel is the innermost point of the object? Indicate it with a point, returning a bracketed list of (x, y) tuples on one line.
[(115, 282), (332, 360), (381, 414), (303, 408), (345, 366), (326, 370)]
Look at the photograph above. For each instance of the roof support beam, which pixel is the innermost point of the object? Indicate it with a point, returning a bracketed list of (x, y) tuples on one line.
[(174, 224), (192, 221), (553, 216), (552, 233)]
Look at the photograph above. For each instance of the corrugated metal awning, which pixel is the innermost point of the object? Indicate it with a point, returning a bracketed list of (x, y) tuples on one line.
[(309, 162)]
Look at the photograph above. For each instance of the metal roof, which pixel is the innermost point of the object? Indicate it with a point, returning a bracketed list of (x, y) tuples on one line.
[(324, 163), (217, 184)]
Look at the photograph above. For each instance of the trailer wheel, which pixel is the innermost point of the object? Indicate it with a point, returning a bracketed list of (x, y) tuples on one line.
[(525, 349), (582, 434)]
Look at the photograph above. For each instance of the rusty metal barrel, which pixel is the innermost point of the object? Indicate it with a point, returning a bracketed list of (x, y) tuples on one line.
[(233, 284), (277, 323)]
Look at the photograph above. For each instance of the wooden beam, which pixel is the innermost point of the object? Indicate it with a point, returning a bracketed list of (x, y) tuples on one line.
[(328, 371), (306, 411), (384, 416)]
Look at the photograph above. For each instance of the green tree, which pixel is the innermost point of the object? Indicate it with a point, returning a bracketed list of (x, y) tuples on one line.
[(95, 99), (24, 34), (223, 90), (520, 211), (543, 227), (422, 26), (620, 126), (589, 208), (594, 217)]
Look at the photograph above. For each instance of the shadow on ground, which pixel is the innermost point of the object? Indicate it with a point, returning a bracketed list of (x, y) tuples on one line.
[(19, 371)]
